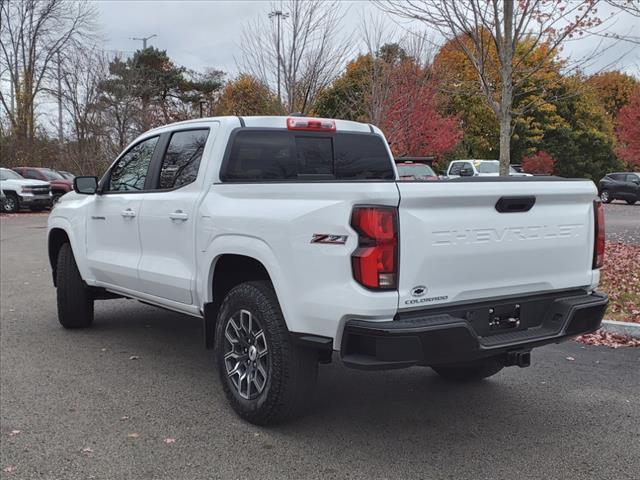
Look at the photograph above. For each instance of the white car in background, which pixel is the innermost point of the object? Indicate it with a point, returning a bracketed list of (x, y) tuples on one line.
[(21, 192), (479, 168)]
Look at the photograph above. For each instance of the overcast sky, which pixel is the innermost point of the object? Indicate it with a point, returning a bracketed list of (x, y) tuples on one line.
[(205, 34)]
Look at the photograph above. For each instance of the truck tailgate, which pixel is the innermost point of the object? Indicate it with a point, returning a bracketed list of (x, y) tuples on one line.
[(455, 246)]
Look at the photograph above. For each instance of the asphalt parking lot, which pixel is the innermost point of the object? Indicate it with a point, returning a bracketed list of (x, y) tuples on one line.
[(85, 409), (622, 222)]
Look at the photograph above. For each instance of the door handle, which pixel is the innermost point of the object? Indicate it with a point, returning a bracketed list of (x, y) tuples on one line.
[(128, 213), (179, 215)]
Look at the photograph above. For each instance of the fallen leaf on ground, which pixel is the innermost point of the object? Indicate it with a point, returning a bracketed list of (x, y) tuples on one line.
[(600, 337), (620, 279), (13, 433), (124, 417), (571, 359), (169, 440), (9, 469), (87, 450), (133, 435), (134, 357)]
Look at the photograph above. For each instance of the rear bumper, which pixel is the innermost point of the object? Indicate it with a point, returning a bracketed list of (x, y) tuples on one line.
[(460, 334)]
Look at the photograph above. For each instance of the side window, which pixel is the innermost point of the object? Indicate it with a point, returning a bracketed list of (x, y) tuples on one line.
[(182, 158), (631, 177), (467, 165), (618, 177), (31, 173), (130, 173), (455, 168)]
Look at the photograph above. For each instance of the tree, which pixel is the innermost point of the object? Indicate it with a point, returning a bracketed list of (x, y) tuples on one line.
[(149, 89), (582, 140), (540, 163), (479, 27), (120, 105), (34, 35), (346, 98), (614, 89), (412, 123), (80, 96), (628, 132), (246, 95), (309, 55)]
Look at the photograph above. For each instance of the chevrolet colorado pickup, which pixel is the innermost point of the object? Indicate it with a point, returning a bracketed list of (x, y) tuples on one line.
[(295, 242)]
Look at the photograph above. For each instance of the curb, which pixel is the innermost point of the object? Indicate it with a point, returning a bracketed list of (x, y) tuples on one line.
[(627, 329)]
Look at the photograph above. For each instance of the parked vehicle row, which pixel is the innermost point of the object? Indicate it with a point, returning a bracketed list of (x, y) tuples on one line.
[(479, 168), (21, 192), (35, 188), (614, 186), (59, 184)]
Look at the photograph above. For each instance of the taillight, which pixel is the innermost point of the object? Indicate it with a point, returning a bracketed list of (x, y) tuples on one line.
[(311, 124), (375, 261), (598, 241)]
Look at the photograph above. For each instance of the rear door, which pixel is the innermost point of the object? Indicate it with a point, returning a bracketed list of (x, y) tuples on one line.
[(167, 218), (113, 237), (456, 245)]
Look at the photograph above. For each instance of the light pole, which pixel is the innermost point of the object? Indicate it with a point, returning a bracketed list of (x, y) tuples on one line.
[(144, 40), (279, 14)]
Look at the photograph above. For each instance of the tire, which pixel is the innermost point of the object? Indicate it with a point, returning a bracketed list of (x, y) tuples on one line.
[(75, 303), (11, 203), (470, 372), (605, 196), (283, 375), (631, 202)]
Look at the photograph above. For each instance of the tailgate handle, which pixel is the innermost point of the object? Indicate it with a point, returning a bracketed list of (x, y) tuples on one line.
[(515, 204)]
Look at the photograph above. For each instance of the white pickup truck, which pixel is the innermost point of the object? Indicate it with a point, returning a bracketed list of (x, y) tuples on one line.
[(295, 242)]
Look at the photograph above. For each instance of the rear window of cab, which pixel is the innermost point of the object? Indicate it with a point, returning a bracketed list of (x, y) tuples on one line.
[(258, 155)]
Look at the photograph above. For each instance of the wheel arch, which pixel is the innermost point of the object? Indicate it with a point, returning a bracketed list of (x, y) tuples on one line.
[(57, 238), (61, 232), (234, 259)]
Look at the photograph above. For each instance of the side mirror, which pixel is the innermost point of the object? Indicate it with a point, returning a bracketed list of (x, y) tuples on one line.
[(85, 185), (466, 172)]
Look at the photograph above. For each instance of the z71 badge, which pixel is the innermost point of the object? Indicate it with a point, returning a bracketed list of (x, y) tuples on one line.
[(329, 239)]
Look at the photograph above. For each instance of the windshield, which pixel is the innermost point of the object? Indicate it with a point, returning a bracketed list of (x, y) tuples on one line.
[(417, 170), (6, 174), (51, 174)]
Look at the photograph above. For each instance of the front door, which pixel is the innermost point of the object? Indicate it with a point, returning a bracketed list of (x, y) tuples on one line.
[(113, 236)]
